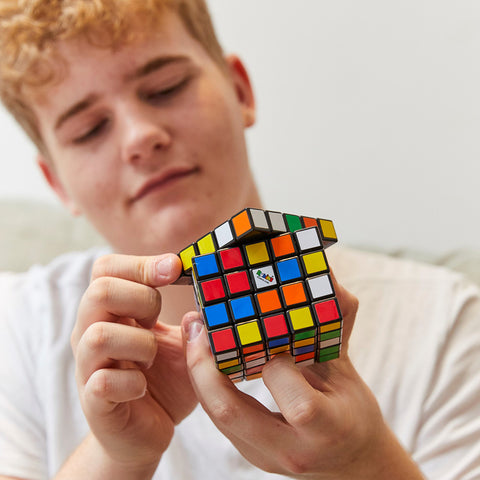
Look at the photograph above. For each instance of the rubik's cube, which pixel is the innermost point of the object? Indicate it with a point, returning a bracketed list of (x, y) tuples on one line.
[(262, 283)]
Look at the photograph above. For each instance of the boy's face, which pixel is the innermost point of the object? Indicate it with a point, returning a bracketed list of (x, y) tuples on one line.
[(148, 141)]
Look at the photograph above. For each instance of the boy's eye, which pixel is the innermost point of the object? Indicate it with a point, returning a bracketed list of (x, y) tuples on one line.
[(166, 93), (93, 132)]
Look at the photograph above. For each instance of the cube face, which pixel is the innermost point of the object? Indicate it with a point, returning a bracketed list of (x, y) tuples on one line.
[(262, 283)]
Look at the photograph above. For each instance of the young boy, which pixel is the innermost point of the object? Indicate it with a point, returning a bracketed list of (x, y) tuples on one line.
[(139, 121)]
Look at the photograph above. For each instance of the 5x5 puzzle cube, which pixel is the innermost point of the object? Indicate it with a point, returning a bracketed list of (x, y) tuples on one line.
[(262, 284)]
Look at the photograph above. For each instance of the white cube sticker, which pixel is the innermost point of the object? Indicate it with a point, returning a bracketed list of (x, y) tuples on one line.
[(320, 287), (308, 239), (223, 234)]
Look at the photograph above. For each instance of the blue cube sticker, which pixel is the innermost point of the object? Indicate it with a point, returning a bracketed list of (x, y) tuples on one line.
[(216, 315), (242, 308), (289, 270), (206, 265)]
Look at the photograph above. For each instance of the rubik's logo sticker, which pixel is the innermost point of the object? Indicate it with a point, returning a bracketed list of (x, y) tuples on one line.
[(262, 283)]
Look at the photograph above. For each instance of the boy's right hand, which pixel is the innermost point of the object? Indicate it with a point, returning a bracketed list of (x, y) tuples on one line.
[(130, 368)]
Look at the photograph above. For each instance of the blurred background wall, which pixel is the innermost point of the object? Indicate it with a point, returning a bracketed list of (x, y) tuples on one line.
[(368, 113)]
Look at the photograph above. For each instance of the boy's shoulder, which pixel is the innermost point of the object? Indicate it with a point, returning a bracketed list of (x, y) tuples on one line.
[(45, 297), (353, 266), (66, 270), (400, 290)]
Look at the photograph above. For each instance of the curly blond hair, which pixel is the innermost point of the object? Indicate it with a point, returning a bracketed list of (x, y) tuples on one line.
[(30, 30)]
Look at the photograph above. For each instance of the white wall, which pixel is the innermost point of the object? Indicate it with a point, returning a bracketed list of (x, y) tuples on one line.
[(368, 113)]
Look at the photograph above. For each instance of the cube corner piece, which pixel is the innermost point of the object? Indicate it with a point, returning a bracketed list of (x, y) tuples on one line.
[(327, 230)]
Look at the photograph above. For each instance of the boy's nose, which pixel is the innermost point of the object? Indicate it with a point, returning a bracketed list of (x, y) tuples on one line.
[(143, 142)]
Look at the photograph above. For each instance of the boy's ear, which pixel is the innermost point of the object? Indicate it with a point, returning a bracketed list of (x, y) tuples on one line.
[(52, 179), (243, 88)]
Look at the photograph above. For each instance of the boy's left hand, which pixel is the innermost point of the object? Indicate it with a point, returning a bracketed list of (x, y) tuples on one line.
[(330, 425)]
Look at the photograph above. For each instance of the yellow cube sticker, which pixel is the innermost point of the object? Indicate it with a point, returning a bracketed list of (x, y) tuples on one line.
[(186, 257), (249, 333), (205, 245), (301, 318), (229, 363), (328, 230), (315, 262), (304, 343), (257, 253), (329, 327)]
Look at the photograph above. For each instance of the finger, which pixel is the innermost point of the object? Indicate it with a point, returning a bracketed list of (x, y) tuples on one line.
[(300, 404), (105, 343), (237, 415), (108, 299), (107, 388), (155, 271)]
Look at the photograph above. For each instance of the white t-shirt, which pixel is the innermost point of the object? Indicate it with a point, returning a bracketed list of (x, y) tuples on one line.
[(416, 343)]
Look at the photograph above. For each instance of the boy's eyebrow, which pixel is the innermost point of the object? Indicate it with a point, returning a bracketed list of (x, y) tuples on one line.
[(149, 67), (74, 109), (156, 64)]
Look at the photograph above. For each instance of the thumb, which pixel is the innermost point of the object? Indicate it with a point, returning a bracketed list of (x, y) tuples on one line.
[(200, 363), (192, 327)]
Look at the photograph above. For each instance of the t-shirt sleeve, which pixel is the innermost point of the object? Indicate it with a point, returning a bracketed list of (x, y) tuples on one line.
[(448, 441), (22, 436)]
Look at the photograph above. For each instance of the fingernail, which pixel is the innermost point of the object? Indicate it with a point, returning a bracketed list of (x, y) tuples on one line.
[(194, 329), (163, 266)]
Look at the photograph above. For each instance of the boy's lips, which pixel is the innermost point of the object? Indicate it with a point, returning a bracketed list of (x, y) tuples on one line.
[(163, 179)]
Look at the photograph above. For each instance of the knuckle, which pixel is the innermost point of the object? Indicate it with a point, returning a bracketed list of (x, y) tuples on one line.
[(277, 364), (297, 462), (99, 385), (151, 344), (141, 271), (97, 337), (100, 291), (102, 266), (137, 384), (152, 297), (302, 413), (224, 412), (149, 348)]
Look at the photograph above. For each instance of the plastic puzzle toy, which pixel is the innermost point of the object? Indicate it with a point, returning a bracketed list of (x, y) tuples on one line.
[(262, 283)]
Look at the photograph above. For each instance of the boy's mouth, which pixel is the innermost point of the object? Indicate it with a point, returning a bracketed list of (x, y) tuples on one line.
[(165, 178)]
